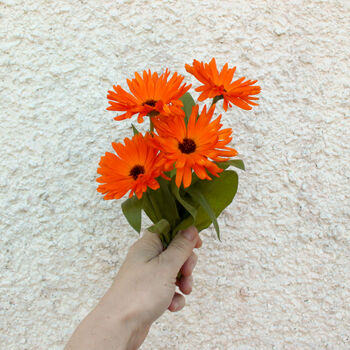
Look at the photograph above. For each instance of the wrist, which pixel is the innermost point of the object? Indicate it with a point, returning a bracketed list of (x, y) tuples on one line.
[(107, 327), (122, 319)]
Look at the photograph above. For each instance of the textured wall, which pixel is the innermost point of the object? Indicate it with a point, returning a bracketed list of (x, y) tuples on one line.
[(280, 277)]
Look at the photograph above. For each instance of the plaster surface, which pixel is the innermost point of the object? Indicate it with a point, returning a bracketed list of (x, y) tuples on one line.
[(280, 277)]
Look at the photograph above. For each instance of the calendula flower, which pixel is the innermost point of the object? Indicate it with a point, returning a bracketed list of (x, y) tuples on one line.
[(149, 95), (134, 168), (220, 85), (195, 146)]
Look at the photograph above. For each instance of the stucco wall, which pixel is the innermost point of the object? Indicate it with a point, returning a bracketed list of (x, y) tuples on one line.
[(280, 277)]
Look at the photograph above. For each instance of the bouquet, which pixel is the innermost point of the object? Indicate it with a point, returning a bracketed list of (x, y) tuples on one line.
[(178, 171)]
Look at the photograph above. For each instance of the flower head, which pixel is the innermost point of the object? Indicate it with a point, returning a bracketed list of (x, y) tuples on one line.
[(134, 168), (150, 95), (238, 92), (195, 146)]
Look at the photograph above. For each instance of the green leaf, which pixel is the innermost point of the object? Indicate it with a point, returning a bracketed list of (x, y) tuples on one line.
[(218, 193), (238, 163), (134, 129), (132, 210), (161, 227), (188, 103), (164, 202), (172, 172), (185, 203), (185, 223), (201, 200), (148, 208)]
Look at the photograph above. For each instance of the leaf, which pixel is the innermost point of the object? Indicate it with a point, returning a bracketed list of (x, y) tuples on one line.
[(134, 129), (176, 192), (172, 172), (188, 103), (218, 193), (238, 163), (201, 200), (161, 227), (132, 210), (164, 202), (188, 206), (148, 208), (185, 223)]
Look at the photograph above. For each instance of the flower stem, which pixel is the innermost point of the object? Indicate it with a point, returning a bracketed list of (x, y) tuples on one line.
[(216, 99)]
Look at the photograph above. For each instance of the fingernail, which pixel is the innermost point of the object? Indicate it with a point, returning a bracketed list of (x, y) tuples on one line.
[(175, 306), (189, 233)]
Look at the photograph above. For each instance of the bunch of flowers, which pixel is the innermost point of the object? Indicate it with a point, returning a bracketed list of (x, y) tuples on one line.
[(177, 172)]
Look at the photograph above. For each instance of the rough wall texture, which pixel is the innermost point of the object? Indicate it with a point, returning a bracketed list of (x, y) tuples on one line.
[(280, 277)]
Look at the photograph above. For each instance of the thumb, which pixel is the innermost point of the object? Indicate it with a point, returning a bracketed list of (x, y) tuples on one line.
[(147, 247), (180, 248)]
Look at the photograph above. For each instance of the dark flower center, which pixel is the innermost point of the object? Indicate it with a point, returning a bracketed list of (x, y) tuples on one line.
[(136, 171), (187, 146), (151, 103)]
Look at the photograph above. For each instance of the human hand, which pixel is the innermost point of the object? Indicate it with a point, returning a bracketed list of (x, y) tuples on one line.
[(143, 289)]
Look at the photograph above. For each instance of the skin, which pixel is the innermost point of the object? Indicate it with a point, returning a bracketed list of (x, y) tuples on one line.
[(144, 288)]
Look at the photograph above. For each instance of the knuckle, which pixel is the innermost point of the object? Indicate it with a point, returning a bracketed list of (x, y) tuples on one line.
[(180, 245)]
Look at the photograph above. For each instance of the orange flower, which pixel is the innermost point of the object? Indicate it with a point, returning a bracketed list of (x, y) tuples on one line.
[(220, 84), (150, 95), (192, 146), (134, 168)]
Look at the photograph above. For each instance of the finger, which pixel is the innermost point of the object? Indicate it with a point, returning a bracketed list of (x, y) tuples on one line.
[(199, 243), (180, 249), (188, 266), (147, 247), (177, 303), (185, 284)]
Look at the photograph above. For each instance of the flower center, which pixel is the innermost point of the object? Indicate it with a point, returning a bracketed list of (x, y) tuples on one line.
[(151, 103), (136, 171), (187, 146)]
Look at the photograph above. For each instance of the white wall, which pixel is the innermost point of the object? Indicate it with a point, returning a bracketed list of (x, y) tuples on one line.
[(280, 277)]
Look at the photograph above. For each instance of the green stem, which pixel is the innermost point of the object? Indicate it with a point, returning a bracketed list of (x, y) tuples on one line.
[(216, 99)]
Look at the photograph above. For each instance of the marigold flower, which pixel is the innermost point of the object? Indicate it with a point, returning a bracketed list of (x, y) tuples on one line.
[(192, 146), (150, 95), (238, 92), (134, 168)]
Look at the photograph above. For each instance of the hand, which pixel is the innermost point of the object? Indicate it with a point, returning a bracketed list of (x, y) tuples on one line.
[(143, 289)]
